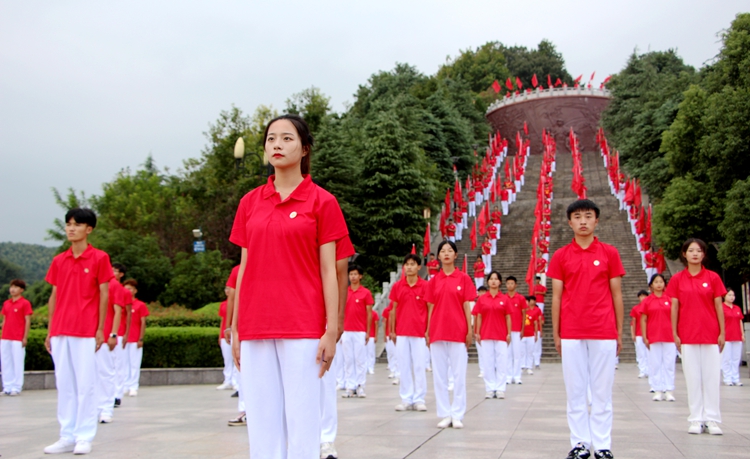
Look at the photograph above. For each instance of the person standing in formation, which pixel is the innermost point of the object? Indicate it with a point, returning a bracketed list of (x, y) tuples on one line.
[(587, 315), (231, 288), (449, 334), (433, 266), (390, 346), (408, 324), (16, 324), (285, 333), (487, 255), (122, 364), (479, 272), (494, 324), (656, 326), (77, 308), (106, 363), (492, 231), (517, 308), (450, 230), (497, 220), (530, 335), (230, 378), (731, 357), (458, 218), (698, 329), (480, 291), (540, 291), (636, 333), (357, 325), (136, 335)]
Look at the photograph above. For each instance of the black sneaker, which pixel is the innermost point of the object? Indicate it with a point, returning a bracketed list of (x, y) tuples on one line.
[(603, 454), (235, 394), (579, 452), (117, 402)]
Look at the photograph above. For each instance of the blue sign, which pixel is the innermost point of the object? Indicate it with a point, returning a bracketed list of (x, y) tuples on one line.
[(199, 246)]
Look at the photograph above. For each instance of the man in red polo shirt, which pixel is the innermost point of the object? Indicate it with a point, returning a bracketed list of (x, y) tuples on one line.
[(357, 326), (530, 335), (77, 308), (122, 364), (517, 308), (641, 351), (106, 363), (136, 335), (16, 323), (587, 315), (450, 230), (433, 266)]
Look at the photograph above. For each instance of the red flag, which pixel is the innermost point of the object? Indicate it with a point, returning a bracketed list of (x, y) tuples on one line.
[(457, 193), (426, 249), (465, 267), (509, 84), (606, 80), (496, 86), (578, 80), (592, 76), (518, 83), (483, 220), (442, 223), (525, 128), (448, 200), (558, 82), (473, 235), (413, 249), (549, 81), (534, 81)]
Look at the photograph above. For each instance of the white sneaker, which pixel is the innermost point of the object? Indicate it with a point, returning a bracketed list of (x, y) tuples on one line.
[(457, 424), (444, 423), (348, 394), (133, 393), (481, 374), (728, 384), (339, 387), (429, 369), (59, 447), (695, 428), (328, 451), (529, 371), (420, 407), (361, 392), (669, 396), (641, 375), (82, 447), (657, 397), (500, 394), (403, 407), (488, 394), (370, 371), (391, 375), (395, 381), (224, 386), (518, 381), (713, 428), (14, 393), (104, 419), (738, 383)]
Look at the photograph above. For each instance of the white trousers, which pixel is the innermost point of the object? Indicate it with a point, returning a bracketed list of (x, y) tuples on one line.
[(701, 364), (449, 359), (105, 380), (355, 359), (731, 357), (504, 205), (650, 273), (240, 391), (371, 354), (479, 356), (12, 358), (642, 357), (411, 359), (494, 355), (499, 229), (661, 361), (478, 281), (589, 364), (391, 354), (487, 260), (135, 357), (75, 378), (513, 371), (538, 351), (229, 371), (493, 251), (122, 367), (527, 352), (329, 420), (472, 209), (282, 393), (452, 238), (459, 231), (478, 198), (338, 363)]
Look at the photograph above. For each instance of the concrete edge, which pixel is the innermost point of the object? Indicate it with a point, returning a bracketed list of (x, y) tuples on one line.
[(42, 380)]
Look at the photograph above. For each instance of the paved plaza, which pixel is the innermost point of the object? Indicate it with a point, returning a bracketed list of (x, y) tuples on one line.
[(190, 421)]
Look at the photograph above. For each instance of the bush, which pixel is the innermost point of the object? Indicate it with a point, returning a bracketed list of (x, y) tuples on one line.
[(163, 347), (198, 279), (177, 316), (211, 309)]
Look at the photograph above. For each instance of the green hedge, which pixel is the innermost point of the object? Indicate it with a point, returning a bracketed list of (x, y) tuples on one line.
[(163, 347), (179, 318)]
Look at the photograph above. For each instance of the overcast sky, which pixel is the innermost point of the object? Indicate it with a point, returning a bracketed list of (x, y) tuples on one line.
[(88, 88)]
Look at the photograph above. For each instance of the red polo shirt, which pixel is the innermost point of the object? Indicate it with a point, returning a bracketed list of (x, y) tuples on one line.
[(386, 317), (493, 310), (658, 311), (344, 248), (375, 319), (539, 292), (479, 269), (697, 323), (586, 310), (282, 292), (492, 231), (138, 310), (15, 313), (77, 301), (516, 306), (223, 315), (232, 281), (486, 248), (127, 301), (496, 217), (732, 322), (411, 307), (433, 267), (448, 295), (450, 229), (355, 318), (530, 318), (116, 297), (635, 313)]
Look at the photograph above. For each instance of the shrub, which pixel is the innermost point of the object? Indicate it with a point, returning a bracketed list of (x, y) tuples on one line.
[(211, 309), (37, 357), (198, 279)]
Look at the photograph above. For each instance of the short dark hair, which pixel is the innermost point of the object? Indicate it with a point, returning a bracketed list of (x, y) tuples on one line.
[(120, 267), (413, 256), (582, 204), (482, 289), (358, 268), (531, 298), (81, 215), (432, 253), (18, 283), (651, 281), (538, 278), (446, 241), (303, 131), (643, 292), (511, 278), (686, 246), (132, 282), (497, 273)]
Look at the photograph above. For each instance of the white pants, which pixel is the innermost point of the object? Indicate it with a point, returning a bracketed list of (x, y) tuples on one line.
[(411, 359), (226, 353), (12, 357), (122, 367), (494, 355), (452, 238), (459, 231), (493, 251), (478, 281), (355, 359), (642, 357), (449, 357), (731, 357), (329, 420), (479, 355), (538, 350), (650, 273), (589, 364), (392, 355), (487, 260), (661, 361), (478, 198), (338, 363), (282, 391), (513, 371), (472, 209), (75, 378), (499, 229), (701, 364), (371, 354), (105, 380), (504, 205), (135, 357), (527, 352)]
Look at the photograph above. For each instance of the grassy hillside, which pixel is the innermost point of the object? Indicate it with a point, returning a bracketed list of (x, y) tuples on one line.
[(34, 259)]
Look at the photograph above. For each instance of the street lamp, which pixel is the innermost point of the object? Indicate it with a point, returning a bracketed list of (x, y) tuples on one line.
[(198, 245), (239, 152), (426, 213)]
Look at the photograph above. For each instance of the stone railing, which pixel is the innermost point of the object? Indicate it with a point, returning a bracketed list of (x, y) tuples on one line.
[(548, 93)]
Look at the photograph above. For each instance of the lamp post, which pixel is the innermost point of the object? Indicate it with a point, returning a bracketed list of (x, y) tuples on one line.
[(239, 152), (199, 245)]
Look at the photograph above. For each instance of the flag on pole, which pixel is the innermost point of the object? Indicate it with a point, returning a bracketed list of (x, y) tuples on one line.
[(496, 86), (413, 249), (549, 81), (534, 81), (509, 84), (473, 235), (578, 80), (558, 82), (466, 266), (592, 76), (426, 249), (525, 128), (518, 83)]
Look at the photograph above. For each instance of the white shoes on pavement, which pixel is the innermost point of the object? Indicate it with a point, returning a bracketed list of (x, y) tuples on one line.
[(59, 447)]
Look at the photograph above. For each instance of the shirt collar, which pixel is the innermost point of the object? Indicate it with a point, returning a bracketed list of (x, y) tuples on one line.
[(593, 245), (301, 193), (86, 253)]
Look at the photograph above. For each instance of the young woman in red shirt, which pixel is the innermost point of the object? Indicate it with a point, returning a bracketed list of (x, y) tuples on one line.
[(731, 357), (656, 332)]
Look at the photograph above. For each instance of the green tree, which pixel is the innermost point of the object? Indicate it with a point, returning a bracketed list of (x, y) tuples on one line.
[(9, 271), (34, 259), (312, 105), (735, 228), (71, 201), (198, 279)]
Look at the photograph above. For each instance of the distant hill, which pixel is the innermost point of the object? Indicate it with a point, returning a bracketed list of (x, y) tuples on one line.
[(33, 259)]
